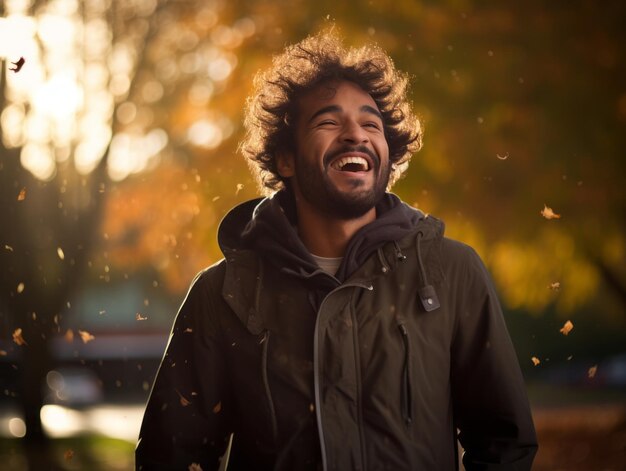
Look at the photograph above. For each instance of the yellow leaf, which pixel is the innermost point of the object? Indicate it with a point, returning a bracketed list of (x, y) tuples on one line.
[(86, 336), (592, 371), (547, 213), (17, 337), (555, 286), (567, 328), (60, 253), (20, 288), (22, 195), (535, 361)]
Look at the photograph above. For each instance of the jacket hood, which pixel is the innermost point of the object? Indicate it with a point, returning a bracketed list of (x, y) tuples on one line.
[(269, 226)]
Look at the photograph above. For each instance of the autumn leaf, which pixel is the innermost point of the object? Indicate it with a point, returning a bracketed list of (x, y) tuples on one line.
[(69, 336), (183, 400), (18, 65), (20, 288), (592, 371), (17, 337), (555, 286), (567, 328), (139, 317), (85, 336), (188, 330), (195, 467), (503, 157), (68, 455), (217, 408), (60, 253), (22, 195), (239, 188), (535, 361), (3, 353), (8, 247), (547, 213)]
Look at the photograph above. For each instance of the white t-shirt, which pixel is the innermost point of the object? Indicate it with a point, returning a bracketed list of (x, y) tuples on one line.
[(329, 265)]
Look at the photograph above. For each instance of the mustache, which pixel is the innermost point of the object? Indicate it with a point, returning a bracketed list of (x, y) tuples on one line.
[(329, 157)]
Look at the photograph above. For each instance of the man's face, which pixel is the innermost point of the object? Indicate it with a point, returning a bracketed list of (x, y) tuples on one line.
[(342, 157)]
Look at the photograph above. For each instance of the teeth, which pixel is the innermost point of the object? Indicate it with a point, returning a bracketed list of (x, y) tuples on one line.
[(341, 163)]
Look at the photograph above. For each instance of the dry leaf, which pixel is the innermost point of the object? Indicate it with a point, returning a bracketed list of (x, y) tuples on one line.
[(183, 400), (3, 353), (555, 286), (503, 157), (8, 247), (535, 361), (239, 188), (188, 330), (547, 213), (85, 336), (139, 317), (68, 455), (195, 467), (60, 253), (20, 288), (215, 198), (592, 371), (69, 336), (567, 328), (217, 408), (22, 195), (18, 65), (17, 337)]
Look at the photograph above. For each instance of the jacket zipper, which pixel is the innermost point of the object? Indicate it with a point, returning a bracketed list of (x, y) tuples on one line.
[(407, 412), (265, 340), (316, 368)]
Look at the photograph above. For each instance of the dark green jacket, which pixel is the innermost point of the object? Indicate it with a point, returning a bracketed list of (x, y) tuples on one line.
[(382, 367)]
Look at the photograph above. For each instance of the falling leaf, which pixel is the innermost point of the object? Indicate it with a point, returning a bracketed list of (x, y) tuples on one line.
[(139, 317), (17, 337), (311, 407), (547, 213), (592, 371), (239, 188), (85, 336), (22, 195), (20, 288), (68, 455), (215, 198), (503, 157), (3, 353), (217, 408), (60, 253), (195, 467), (555, 286), (102, 312), (69, 336), (9, 248), (535, 361), (183, 400), (18, 65), (188, 330), (567, 328)]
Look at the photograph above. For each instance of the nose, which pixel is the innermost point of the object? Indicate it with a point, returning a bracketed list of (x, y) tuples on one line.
[(353, 133)]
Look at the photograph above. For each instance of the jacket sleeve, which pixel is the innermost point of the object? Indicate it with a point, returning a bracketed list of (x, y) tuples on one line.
[(491, 407), (187, 418)]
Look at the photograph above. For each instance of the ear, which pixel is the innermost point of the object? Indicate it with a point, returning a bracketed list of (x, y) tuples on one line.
[(285, 164)]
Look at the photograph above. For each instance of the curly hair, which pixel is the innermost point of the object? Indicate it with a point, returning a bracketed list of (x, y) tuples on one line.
[(271, 110)]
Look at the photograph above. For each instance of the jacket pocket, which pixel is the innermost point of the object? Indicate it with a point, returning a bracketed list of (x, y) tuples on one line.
[(406, 399)]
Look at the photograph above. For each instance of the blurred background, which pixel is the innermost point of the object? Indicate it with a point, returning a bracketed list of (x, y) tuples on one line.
[(118, 157)]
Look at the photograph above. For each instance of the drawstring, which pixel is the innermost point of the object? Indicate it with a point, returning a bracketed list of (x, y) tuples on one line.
[(265, 340), (427, 293), (381, 258), (399, 255)]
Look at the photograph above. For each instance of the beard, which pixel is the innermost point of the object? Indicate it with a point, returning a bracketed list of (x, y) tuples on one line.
[(319, 190)]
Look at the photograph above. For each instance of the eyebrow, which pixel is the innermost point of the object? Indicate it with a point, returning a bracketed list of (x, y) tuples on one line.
[(337, 109)]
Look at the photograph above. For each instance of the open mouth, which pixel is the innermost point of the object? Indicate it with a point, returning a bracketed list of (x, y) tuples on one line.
[(351, 164)]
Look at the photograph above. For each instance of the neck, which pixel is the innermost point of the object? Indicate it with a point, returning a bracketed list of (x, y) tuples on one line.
[(327, 236)]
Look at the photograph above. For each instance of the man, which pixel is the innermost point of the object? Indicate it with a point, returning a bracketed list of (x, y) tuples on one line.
[(341, 331)]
